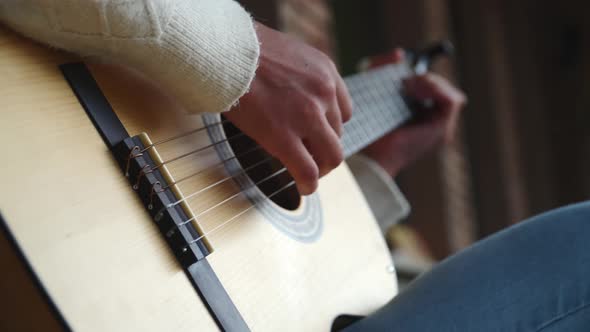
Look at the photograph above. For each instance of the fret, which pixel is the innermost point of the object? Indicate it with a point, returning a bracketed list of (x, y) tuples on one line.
[(379, 106)]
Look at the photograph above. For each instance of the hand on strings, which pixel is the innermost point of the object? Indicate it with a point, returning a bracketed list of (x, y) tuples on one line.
[(432, 127), (295, 108)]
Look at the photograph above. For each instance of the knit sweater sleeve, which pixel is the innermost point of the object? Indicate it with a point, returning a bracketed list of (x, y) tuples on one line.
[(203, 52)]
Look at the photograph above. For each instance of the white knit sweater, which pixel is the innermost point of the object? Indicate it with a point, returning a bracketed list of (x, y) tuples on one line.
[(204, 52)]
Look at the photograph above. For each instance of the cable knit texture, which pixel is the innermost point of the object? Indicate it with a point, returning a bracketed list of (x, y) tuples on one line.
[(203, 52)]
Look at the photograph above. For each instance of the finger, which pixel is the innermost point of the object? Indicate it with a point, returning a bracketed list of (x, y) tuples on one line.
[(448, 101), (344, 101), (394, 57), (446, 97), (325, 148), (398, 55), (334, 118), (300, 164)]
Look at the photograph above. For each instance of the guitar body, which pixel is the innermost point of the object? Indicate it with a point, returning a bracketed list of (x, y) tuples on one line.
[(79, 245)]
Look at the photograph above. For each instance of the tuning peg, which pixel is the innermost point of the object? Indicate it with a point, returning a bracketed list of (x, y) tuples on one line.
[(426, 57)]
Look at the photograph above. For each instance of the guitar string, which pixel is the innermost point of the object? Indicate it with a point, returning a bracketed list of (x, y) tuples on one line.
[(188, 133), (230, 198), (233, 219), (221, 163), (220, 182), (199, 150)]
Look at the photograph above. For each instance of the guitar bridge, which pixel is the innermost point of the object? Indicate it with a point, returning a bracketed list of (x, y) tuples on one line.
[(165, 205), (150, 179)]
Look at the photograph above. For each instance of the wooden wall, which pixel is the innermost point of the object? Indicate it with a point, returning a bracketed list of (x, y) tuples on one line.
[(525, 63), (525, 147)]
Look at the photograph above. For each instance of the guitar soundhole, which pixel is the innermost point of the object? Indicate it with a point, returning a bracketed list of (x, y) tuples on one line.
[(259, 173)]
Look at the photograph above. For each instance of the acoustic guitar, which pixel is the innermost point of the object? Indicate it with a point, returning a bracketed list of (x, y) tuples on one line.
[(122, 212)]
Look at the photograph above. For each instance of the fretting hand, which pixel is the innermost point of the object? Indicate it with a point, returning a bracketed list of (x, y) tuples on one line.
[(432, 128), (295, 108)]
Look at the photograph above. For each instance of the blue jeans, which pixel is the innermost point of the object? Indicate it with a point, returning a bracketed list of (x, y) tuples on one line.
[(534, 276)]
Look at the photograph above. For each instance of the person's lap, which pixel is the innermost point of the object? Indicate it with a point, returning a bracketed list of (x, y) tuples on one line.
[(534, 276)]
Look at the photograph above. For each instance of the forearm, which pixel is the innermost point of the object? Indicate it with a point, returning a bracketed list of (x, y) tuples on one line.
[(203, 52)]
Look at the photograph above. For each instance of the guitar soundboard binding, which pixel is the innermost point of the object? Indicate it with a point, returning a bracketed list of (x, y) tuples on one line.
[(151, 186)]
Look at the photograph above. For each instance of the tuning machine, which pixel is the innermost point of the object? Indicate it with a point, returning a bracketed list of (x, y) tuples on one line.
[(426, 57)]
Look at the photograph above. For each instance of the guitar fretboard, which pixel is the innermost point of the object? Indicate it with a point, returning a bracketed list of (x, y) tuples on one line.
[(379, 106)]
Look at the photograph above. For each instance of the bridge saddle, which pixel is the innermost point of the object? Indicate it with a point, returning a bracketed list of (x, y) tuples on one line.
[(144, 169)]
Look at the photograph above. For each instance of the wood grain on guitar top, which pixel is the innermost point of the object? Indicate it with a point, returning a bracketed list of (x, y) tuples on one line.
[(95, 249)]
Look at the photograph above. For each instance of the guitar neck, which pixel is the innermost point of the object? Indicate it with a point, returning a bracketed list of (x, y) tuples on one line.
[(378, 103)]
